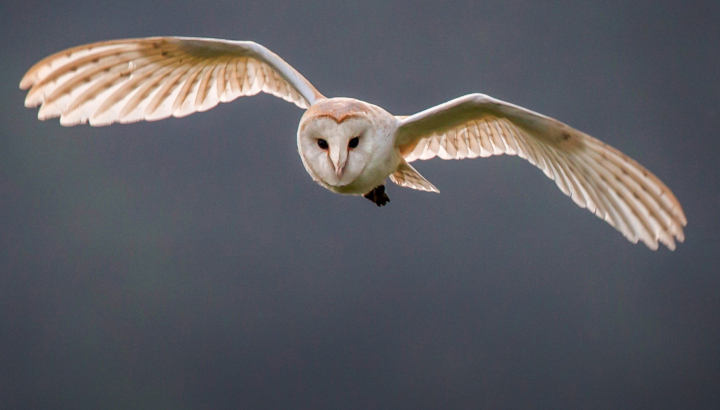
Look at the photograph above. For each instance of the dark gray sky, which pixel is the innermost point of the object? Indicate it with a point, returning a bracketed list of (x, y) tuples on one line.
[(193, 264)]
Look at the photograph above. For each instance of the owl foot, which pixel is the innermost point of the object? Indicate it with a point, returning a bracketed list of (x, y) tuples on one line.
[(378, 196)]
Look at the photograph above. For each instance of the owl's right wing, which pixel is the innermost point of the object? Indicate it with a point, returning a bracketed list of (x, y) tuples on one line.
[(154, 78)]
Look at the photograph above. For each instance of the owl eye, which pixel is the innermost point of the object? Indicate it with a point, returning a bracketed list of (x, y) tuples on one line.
[(322, 144), (354, 142)]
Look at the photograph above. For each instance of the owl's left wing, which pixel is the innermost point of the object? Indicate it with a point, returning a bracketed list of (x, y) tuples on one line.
[(596, 176), (158, 77)]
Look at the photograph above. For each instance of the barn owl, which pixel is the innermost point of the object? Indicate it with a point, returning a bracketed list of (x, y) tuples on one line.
[(346, 145)]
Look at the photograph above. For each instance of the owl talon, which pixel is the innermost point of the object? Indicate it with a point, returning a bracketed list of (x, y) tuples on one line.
[(378, 196)]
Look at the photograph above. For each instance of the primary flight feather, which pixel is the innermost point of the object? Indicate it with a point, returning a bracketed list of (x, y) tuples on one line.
[(347, 145)]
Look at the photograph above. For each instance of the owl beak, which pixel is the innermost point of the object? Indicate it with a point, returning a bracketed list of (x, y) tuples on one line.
[(338, 158), (339, 168)]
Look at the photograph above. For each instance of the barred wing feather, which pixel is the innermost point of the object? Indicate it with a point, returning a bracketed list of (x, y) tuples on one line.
[(155, 78), (596, 176)]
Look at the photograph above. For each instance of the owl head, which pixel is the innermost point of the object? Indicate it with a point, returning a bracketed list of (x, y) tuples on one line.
[(338, 138)]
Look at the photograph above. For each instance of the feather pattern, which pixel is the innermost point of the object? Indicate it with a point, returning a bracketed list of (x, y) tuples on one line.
[(155, 78), (596, 176), (407, 176)]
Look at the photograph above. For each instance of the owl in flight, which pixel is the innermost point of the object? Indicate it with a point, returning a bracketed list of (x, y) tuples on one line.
[(349, 146)]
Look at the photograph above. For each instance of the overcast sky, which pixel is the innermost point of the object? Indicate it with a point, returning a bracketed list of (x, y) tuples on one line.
[(193, 264)]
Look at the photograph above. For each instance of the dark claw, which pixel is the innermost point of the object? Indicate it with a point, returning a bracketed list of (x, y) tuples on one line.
[(378, 196)]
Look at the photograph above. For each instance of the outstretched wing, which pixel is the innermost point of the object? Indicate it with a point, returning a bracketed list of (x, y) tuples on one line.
[(596, 176), (154, 78)]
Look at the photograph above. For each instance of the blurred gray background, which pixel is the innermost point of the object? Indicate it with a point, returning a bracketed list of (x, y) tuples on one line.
[(193, 264)]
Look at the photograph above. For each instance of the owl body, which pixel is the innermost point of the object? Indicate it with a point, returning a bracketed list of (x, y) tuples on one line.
[(346, 145)]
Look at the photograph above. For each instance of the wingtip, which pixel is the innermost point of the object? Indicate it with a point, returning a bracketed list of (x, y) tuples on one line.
[(27, 81)]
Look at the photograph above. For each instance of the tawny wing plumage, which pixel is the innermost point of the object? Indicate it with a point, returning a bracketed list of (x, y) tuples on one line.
[(154, 78), (596, 176), (407, 176)]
